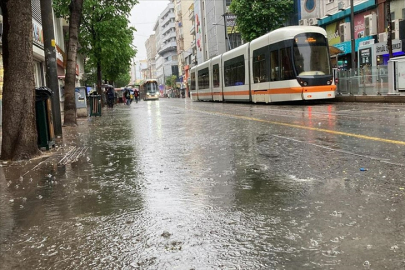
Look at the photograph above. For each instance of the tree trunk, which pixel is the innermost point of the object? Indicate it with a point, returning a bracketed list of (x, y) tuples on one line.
[(99, 82), (99, 79), (76, 7), (19, 138), (389, 33)]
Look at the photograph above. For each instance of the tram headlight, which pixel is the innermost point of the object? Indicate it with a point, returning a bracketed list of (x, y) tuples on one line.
[(328, 82), (302, 82)]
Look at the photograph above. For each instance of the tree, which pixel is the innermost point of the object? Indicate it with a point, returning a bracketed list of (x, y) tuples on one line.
[(72, 10), (19, 136), (106, 37), (70, 78), (171, 81), (122, 80), (103, 26), (255, 18)]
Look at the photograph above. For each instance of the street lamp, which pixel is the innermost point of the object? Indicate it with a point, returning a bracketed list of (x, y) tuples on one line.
[(226, 34)]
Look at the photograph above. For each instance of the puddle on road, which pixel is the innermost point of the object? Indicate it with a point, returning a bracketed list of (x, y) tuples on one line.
[(145, 195)]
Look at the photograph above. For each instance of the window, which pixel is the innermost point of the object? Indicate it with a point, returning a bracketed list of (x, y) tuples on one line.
[(275, 69), (311, 55), (259, 67), (203, 79), (287, 72), (215, 75), (192, 86), (235, 71)]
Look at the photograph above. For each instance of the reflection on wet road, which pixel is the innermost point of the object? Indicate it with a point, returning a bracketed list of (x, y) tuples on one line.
[(179, 185)]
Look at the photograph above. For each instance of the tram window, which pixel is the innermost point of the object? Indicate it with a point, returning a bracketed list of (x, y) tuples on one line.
[(227, 76), (234, 71), (215, 75), (287, 72), (259, 68), (192, 81), (240, 74), (203, 81), (275, 68)]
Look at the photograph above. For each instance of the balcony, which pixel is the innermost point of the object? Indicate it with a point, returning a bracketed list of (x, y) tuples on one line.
[(166, 20), (168, 35), (167, 27), (170, 46), (191, 15), (192, 30)]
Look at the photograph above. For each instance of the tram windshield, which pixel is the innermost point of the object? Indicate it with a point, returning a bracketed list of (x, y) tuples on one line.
[(311, 55), (151, 87)]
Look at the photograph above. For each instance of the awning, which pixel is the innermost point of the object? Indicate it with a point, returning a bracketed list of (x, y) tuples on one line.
[(334, 50)]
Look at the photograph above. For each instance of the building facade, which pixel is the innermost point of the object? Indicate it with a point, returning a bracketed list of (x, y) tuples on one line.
[(185, 42), (166, 59), (150, 45), (370, 27)]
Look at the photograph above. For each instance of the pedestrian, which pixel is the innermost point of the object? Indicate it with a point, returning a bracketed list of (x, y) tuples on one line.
[(127, 96), (136, 94), (110, 97), (131, 92)]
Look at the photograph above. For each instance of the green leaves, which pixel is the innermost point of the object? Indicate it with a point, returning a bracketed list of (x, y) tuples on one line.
[(105, 35), (258, 17)]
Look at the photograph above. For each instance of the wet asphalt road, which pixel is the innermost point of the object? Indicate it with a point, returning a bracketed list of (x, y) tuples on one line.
[(175, 184)]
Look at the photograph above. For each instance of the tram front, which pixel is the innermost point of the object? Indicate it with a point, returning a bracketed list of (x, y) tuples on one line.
[(312, 66)]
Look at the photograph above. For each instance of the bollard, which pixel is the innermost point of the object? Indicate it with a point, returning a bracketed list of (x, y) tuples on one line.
[(364, 82), (378, 81)]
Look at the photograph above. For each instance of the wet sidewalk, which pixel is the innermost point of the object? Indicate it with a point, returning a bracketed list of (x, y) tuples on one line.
[(52, 198)]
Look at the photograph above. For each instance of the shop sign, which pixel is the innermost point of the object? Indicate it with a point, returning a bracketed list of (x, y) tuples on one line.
[(332, 31), (366, 43), (346, 46), (382, 48), (60, 56), (38, 34)]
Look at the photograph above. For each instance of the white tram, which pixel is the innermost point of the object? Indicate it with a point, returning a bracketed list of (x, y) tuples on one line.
[(290, 63), (150, 90)]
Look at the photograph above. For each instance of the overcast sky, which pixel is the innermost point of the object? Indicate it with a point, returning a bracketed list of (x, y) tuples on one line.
[(143, 18)]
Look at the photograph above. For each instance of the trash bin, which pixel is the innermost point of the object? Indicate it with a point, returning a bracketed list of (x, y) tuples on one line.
[(43, 110), (95, 105)]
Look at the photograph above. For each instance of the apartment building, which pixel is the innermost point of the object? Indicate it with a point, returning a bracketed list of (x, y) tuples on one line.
[(370, 27), (166, 45), (150, 45)]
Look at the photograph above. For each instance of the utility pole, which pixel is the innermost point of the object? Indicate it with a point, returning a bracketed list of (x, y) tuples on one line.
[(389, 33), (353, 55), (50, 63), (226, 32)]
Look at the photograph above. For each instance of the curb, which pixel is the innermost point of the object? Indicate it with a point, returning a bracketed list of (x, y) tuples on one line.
[(375, 99)]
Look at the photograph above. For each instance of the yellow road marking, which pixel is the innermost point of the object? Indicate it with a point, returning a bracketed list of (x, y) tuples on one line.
[(313, 128)]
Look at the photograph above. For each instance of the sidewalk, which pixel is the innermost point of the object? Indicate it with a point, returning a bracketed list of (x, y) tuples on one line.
[(371, 98)]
